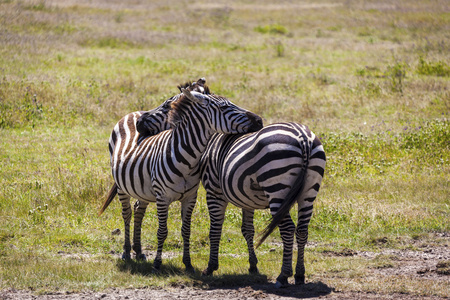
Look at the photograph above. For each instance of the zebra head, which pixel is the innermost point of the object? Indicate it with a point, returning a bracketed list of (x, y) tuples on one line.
[(218, 113), (154, 121)]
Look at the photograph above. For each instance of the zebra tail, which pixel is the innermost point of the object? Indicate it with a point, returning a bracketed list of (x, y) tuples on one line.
[(112, 193), (285, 207)]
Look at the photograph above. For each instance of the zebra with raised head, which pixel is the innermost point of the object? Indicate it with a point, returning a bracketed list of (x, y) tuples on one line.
[(279, 165), (163, 168)]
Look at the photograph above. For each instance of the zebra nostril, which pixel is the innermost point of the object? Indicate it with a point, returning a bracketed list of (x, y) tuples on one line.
[(257, 122)]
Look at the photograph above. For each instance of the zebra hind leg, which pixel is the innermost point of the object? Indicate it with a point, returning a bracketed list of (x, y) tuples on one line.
[(302, 237), (305, 210), (216, 207), (287, 230), (126, 215), (248, 231), (139, 213)]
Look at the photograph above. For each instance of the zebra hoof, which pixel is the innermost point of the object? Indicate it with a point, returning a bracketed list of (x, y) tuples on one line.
[(157, 265), (141, 257), (207, 272), (253, 270), (278, 285), (282, 282), (190, 270), (299, 280), (126, 256)]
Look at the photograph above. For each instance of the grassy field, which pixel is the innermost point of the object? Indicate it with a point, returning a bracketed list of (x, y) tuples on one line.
[(371, 78)]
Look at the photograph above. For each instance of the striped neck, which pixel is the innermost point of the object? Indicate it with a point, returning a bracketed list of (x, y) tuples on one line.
[(189, 140)]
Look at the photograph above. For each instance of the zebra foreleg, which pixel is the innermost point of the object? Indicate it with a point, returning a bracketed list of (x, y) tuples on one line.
[(162, 209), (187, 206), (139, 213), (126, 215), (287, 230), (248, 231), (216, 209)]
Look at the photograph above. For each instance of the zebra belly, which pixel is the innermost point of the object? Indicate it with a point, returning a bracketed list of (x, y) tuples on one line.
[(269, 184), (136, 188)]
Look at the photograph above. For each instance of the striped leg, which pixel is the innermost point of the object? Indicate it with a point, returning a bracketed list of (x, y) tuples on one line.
[(302, 238), (248, 231), (287, 229), (162, 208), (216, 209), (126, 215), (305, 209), (139, 213), (187, 206), (314, 176)]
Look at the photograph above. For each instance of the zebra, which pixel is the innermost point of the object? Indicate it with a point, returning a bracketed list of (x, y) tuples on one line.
[(273, 168), (127, 129), (163, 168)]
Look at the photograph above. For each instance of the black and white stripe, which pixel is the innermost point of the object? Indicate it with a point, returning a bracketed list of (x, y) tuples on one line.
[(273, 168), (164, 167), (279, 165)]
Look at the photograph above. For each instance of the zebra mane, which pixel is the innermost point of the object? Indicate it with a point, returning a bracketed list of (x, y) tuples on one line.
[(179, 106), (179, 109), (192, 86)]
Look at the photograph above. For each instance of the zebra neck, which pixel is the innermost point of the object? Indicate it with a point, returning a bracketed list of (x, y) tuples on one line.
[(189, 143)]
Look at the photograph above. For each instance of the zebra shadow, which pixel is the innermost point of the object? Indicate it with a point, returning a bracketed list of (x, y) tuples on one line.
[(257, 286), (250, 285), (304, 291), (145, 268)]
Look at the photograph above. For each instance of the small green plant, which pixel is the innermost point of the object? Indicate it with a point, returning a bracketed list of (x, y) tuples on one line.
[(38, 5), (279, 48), (118, 18), (37, 214), (396, 75), (439, 68)]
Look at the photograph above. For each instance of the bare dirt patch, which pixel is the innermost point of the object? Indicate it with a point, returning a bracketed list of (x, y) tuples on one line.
[(425, 263), (310, 290)]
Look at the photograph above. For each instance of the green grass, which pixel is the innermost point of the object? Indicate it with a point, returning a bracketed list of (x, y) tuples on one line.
[(370, 79)]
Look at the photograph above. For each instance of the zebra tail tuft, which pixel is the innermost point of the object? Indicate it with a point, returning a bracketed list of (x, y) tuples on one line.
[(285, 207), (112, 193)]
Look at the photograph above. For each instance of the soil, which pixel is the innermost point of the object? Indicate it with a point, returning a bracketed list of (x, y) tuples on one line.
[(266, 292)]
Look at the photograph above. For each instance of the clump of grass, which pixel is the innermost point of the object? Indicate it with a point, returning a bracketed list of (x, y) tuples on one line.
[(439, 68), (279, 48), (272, 29), (443, 267), (428, 137), (25, 109), (396, 74)]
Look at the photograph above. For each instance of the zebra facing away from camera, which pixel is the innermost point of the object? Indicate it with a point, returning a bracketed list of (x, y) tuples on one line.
[(273, 168), (279, 165), (164, 167)]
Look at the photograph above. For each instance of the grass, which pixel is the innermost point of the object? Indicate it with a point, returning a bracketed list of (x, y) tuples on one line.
[(371, 79)]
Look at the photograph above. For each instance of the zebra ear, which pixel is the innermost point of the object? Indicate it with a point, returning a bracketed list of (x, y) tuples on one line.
[(191, 97)]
